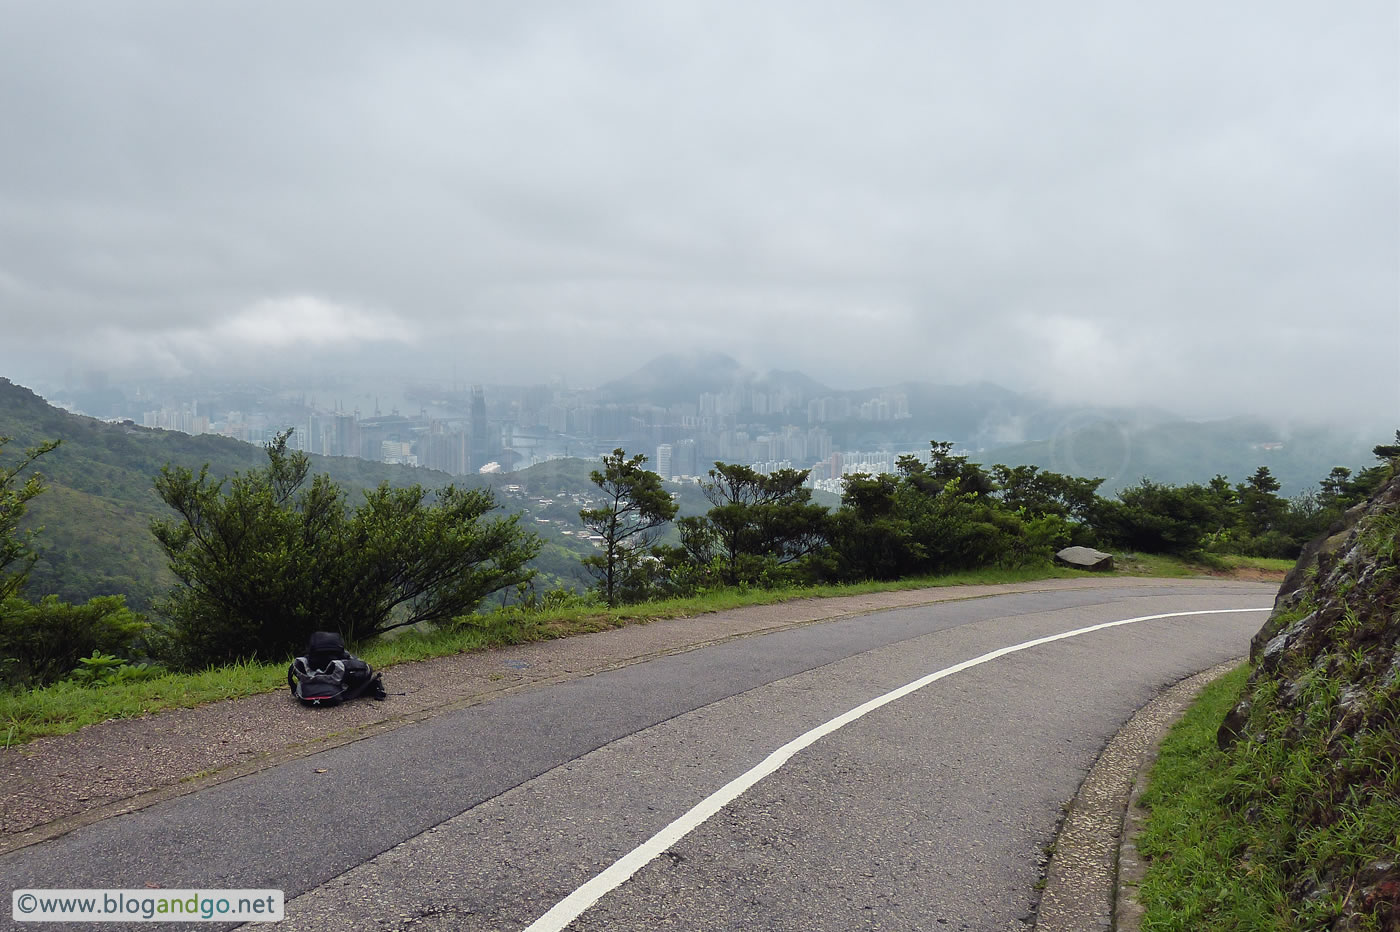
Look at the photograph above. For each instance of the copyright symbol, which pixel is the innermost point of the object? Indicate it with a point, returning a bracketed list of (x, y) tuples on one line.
[(26, 903)]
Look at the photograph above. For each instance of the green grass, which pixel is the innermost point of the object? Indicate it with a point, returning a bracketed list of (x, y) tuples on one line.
[(1228, 829), (1151, 564), (1274, 564), (1199, 877), (65, 707)]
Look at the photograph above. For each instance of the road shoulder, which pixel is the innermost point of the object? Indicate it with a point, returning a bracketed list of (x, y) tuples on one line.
[(1092, 875)]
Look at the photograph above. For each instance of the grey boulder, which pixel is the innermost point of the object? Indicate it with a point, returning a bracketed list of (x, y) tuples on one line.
[(1085, 558)]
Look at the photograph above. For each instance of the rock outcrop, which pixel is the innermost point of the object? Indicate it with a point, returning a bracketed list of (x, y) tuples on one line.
[(1325, 697), (1298, 582)]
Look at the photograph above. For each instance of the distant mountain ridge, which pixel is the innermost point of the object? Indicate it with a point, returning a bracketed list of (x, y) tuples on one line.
[(1177, 452), (997, 424), (676, 378), (977, 416)]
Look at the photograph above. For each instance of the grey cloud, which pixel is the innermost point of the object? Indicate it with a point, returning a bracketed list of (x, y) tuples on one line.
[(1188, 204)]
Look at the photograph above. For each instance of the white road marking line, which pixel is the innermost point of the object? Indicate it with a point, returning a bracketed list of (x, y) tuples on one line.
[(573, 905)]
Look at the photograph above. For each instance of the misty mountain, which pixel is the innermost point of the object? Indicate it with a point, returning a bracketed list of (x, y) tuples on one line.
[(680, 378), (676, 378), (977, 416), (996, 424), (1123, 451)]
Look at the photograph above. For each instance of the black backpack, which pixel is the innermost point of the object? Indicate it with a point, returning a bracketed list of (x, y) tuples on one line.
[(330, 675)]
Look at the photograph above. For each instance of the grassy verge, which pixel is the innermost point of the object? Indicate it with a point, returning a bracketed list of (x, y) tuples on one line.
[(1150, 564), (1272, 564), (65, 707), (1228, 829), (1197, 878)]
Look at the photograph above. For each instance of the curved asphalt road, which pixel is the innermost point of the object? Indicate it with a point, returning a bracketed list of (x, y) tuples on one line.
[(931, 812)]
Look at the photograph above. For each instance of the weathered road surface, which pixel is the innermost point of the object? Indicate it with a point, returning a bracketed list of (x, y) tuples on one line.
[(930, 812)]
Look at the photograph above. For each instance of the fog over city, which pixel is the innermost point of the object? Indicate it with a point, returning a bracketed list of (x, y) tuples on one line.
[(1194, 206)]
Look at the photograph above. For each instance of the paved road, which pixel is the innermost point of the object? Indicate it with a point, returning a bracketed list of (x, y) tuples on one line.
[(930, 812)]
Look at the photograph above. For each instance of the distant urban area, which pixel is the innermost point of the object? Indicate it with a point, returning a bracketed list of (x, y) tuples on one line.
[(687, 411), (469, 429)]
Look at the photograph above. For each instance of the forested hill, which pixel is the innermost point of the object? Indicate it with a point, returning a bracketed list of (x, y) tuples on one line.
[(96, 513)]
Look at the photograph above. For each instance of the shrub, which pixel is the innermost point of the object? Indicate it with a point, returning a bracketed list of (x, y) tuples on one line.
[(266, 563), (43, 642), (108, 669), (1160, 518)]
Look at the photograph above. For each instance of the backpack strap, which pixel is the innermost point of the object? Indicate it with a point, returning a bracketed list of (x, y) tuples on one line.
[(373, 682), (295, 672)]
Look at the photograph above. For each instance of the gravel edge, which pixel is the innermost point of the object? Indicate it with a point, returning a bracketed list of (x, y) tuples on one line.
[(1092, 876)]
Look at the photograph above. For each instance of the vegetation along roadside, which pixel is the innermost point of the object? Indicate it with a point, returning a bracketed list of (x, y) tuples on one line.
[(1275, 803), (65, 706)]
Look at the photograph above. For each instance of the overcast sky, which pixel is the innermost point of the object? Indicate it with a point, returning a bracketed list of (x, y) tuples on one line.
[(1189, 203)]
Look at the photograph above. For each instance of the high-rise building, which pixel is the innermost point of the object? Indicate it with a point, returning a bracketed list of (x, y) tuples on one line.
[(397, 452), (663, 461), (346, 441), (481, 446), (320, 428), (683, 458), (444, 449)]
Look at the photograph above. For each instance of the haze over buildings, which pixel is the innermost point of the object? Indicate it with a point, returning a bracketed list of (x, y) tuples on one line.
[(529, 424)]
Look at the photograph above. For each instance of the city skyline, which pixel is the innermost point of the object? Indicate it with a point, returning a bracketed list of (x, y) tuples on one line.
[(766, 422)]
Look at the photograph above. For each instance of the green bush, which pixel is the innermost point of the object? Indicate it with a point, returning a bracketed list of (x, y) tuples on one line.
[(42, 643), (268, 562), (16, 553), (1159, 518), (1042, 537)]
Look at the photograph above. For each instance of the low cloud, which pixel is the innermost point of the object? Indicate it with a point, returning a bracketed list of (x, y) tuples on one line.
[(1189, 203), (262, 336), (303, 321)]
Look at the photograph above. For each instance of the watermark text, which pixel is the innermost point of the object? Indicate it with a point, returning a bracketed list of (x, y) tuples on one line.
[(99, 905)]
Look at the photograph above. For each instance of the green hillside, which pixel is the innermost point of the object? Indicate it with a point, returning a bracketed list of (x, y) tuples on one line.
[(93, 545), (100, 500)]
